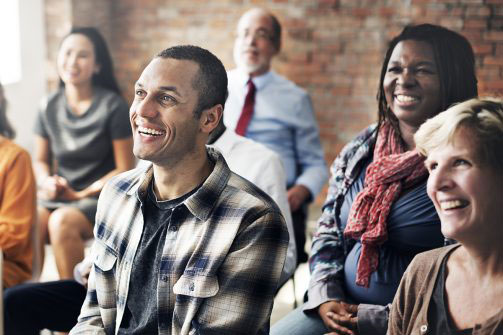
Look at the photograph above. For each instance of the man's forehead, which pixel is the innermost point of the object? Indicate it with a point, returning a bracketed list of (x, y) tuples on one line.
[(168, 72), (255, 17)]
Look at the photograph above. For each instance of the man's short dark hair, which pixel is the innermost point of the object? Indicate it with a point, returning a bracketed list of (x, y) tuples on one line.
[(276, 32), (211, 79)]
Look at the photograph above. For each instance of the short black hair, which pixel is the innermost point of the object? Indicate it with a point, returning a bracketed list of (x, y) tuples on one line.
[(276, 32), (455, 63), (211, 80), (105, 76)]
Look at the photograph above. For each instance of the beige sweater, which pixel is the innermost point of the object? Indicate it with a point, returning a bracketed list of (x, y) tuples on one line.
[(410, 307)]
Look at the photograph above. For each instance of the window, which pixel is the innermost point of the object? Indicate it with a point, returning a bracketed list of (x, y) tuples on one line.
[(10, 57)]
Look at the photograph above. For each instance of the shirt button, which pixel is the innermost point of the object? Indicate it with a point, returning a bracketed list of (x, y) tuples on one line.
[(424, 328), (191, 287), (164, 278), (173, 227)]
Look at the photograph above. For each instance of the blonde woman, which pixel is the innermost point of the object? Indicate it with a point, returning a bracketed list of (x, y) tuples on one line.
[(459, 289)]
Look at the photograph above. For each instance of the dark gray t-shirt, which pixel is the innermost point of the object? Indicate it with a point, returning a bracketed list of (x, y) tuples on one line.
[(140, 315), (81, 145), (438, 312)]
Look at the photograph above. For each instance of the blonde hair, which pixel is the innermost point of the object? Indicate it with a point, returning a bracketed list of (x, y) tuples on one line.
[(483, 117)]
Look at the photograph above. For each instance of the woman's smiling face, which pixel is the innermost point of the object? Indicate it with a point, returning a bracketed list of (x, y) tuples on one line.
[(412, 84), (468, 195)]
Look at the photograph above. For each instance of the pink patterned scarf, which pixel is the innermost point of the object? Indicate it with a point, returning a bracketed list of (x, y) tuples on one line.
[(391, 170)]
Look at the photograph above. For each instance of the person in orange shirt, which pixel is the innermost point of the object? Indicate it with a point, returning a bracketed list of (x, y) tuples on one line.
[(17, 204)]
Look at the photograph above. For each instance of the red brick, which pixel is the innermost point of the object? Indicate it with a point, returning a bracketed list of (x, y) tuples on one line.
[(496, 23), (387, 11), (493, 61), (341, 91), (475, 24), (482, 49), (452, 22), (361, 12), (492, 85), (334, 49), (494, 36), (489, 72), (472, 11)]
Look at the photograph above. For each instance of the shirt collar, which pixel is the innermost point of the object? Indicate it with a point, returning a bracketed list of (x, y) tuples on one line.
[(259, 81), (201, 203), (225, 142)]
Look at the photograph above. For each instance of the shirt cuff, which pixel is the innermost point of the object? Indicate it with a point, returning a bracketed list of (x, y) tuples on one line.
[(314, 180), (321, 292), (372, 319)]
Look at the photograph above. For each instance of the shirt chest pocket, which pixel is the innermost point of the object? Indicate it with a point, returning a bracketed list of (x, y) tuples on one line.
[(198, 286), (105, 265), (104, 262)]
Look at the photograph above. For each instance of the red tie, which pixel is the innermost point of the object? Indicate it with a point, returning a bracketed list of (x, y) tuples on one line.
[(247, 112)]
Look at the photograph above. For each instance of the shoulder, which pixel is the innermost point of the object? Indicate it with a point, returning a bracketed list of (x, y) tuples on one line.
[(426, 264), (367, 134), (125, 181), (52, 100), (242, 196), (254, 150), (13, 154), (110, 98), (281, 83), (366, 138), (12, 149)]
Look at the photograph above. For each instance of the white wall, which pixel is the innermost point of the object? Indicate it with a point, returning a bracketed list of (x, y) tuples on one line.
[(24, 97)]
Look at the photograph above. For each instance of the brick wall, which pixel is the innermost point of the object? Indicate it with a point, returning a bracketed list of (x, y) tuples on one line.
[(332, 48)]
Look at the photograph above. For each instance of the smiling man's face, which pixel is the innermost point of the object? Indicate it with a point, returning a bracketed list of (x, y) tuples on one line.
[(165, 128)]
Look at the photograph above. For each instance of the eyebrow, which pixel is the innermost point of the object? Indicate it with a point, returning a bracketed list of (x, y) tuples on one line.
[(162, 88), (417, 64)]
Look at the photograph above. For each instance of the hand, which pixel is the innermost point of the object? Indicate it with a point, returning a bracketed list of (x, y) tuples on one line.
[(297, 195), (84, 272), (67, 192), (339, 317), (51, 187)]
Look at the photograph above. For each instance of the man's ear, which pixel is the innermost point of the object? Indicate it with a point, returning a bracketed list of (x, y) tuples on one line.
[(210, 118)]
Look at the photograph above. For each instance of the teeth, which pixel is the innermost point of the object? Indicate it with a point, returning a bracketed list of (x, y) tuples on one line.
[(406, 98), (150, 131), (445, 205)]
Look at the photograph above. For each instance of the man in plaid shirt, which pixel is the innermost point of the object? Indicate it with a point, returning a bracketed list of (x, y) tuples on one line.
[(182, 246)]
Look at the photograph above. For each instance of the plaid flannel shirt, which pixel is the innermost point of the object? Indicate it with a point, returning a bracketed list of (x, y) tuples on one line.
[(329, 248), (230, 241)]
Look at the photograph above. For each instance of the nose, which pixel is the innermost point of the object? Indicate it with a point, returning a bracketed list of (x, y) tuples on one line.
[(440, 179), (406, 78), (250, 38), (145, 108), (71, 59)]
